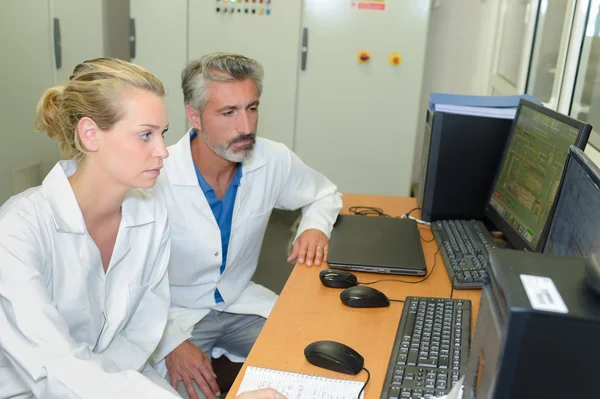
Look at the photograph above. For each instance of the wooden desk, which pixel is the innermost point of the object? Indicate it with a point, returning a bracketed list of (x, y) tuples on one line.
[(307, 311)]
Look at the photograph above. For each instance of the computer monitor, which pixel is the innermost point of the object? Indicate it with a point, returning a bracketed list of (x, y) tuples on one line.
[(575, 226), (522, 197)]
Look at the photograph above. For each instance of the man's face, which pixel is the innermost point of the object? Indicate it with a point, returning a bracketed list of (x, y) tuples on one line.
[(229, 119)]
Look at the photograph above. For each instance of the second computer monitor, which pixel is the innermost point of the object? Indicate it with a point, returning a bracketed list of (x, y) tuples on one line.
[(575, 227), (523, 193)]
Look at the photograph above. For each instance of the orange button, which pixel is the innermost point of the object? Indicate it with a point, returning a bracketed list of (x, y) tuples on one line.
[(363, 56)]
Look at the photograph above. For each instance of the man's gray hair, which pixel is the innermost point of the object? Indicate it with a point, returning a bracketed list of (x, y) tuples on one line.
[(217, 67)]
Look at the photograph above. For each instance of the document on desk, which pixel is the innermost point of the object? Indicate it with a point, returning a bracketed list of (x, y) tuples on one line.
[(299, 386)]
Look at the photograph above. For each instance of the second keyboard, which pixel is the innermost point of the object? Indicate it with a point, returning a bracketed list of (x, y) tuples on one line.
[(464, 246)]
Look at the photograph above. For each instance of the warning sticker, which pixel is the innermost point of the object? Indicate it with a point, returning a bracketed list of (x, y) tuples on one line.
[(379, 5)]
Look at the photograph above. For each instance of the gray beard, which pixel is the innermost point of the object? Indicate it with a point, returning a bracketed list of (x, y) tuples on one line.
[(225, 151)]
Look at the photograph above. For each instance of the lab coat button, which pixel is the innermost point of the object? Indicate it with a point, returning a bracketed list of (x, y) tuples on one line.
[(216, 254)]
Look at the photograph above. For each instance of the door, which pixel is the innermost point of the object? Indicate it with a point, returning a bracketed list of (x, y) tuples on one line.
[(159, 43), (26, 71), (80, 26), (268, 31), (357, 118), (514, 40)]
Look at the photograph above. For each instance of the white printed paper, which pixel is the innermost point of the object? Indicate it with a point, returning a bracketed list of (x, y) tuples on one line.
[(542, 294), (299, 386)]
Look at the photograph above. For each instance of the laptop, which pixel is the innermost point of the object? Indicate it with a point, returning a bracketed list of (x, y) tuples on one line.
[(376, 244)]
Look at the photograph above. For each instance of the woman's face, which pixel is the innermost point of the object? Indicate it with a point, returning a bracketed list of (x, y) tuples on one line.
[(132, 151)]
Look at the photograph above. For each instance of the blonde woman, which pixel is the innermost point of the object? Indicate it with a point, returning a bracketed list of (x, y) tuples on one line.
[(84, 293)]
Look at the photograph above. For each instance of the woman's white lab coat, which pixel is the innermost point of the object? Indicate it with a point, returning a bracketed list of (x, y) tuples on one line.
[(67, 329), (273, 178)]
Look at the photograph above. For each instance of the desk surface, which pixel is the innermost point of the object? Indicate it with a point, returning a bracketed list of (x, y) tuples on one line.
[(306, 311)]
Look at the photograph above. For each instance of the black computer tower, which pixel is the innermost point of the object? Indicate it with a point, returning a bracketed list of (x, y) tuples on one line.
[(539, 342), (460, 156)]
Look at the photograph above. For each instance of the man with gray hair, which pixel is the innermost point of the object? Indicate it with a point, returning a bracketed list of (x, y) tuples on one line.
[(220, 185)]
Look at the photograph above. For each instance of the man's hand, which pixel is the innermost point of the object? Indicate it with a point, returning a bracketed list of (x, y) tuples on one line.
[(188, 363), (311, 247), (267, 393)]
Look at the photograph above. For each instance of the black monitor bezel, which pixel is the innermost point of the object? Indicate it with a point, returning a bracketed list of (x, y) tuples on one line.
[(498, 221), (590, 169)]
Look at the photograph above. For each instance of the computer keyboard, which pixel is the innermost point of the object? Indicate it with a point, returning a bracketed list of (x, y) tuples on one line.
[(431, 348), (464, 246)]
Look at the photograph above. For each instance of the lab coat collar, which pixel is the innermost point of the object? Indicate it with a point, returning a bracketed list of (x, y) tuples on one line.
[(183, 173), (65, 208)]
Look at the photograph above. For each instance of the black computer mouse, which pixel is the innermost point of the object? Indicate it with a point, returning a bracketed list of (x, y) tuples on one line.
[(592, 273), (333, 278), (364, 297), (334, 356)]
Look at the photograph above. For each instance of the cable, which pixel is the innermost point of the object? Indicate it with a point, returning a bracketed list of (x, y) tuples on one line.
[(367, 211), (373, 210), (432, 236), (412, 210), (366, 382), (396, 300), (456, 273)]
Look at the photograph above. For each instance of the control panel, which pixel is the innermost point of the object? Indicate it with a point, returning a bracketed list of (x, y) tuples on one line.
[(244, 7)]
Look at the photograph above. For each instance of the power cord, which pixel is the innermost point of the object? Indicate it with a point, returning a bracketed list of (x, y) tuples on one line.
[(366, 382), (364, 210), (367, 211), (432, 236)]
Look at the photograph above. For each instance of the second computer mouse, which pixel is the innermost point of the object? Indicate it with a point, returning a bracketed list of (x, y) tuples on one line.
[(334, 356), (364, 297), (337, 278)]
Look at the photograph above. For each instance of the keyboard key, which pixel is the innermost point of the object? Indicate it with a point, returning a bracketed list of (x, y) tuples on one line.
[(394, 393), (412, 357), (444, 361)]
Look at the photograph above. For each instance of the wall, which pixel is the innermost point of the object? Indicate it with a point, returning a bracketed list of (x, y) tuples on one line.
[(459, 54)]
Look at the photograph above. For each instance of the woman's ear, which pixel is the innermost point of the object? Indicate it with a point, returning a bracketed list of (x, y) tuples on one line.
[(88, 134)]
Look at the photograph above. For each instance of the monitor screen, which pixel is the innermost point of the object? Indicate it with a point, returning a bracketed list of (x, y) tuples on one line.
[(575, 227), (523, 194)]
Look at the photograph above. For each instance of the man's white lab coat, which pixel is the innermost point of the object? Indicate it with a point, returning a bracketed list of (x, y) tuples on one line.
[(273, 178), (67, 329)]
